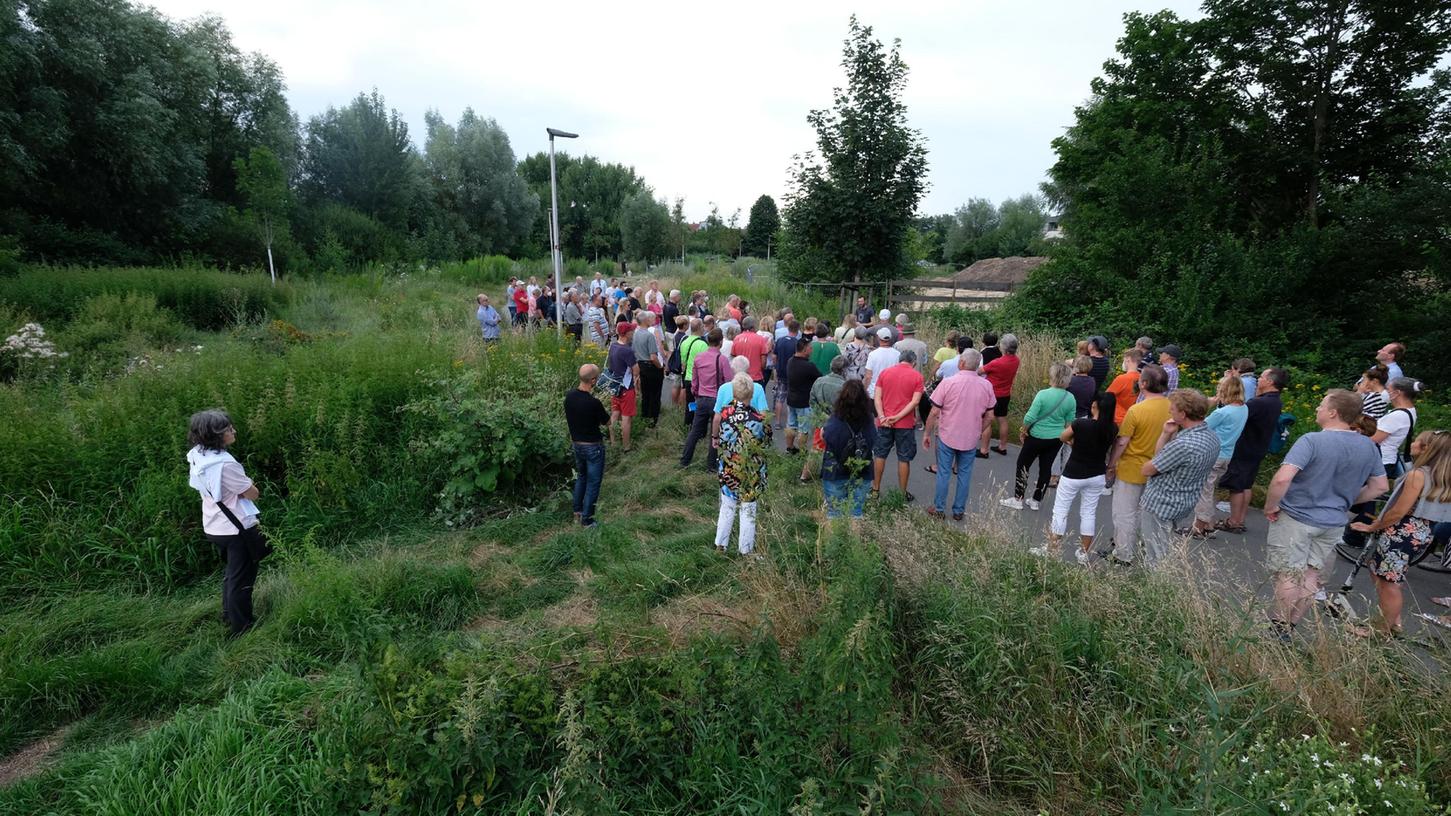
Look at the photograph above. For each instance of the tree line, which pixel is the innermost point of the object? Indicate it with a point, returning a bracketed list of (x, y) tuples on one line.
[(130, 138)]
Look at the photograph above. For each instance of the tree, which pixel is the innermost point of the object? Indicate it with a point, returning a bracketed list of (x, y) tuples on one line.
[(973, 227), (482, 202), (591, 196), (678, 225), (645, 227), (851, 201), (263, 184), (360, 156), (1270, 157), (762, 226)]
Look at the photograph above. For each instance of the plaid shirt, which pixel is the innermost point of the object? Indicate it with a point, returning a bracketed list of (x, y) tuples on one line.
[(1183, 466)]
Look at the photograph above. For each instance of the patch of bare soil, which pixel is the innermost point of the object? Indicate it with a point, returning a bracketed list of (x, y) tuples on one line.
[(33, 758)]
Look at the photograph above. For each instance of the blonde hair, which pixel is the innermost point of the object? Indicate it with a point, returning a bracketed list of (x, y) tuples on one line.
[(1436, 459), (742, 389), (1230, 390), (1082, 348), (1082, 364), (1059, 375)]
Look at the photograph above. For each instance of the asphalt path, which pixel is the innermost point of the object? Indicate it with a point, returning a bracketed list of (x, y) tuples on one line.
[(1239, 556)]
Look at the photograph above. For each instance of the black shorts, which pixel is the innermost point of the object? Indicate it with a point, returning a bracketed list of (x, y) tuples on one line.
[(1000, 408), (903, 439), (1240, 475)]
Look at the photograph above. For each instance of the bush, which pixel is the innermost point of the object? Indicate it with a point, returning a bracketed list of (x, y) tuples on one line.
[(202, 299), (490, 270), (110, 324)]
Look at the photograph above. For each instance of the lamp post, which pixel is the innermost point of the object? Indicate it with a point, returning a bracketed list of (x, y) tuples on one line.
[(555, 252)]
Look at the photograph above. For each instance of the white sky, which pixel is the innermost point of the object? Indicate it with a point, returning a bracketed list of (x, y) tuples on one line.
[(704, 101)]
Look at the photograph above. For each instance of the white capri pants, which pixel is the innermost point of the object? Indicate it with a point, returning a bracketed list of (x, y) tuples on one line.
[(1087, 491)]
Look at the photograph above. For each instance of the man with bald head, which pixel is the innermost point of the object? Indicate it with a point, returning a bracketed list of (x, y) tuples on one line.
[(585, 415)]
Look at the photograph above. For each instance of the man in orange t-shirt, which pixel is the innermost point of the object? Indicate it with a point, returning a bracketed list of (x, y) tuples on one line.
[(1126, 385)]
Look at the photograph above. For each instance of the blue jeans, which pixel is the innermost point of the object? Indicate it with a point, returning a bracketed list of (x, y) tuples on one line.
[(836, 492), (947, 458), (589, 468)]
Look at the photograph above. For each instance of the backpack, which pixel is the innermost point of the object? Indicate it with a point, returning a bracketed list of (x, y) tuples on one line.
[(858, 453), (673, 365), (1282, 432)]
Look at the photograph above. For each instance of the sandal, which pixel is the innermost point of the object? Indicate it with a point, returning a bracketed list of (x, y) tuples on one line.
[(1003, 451), (1443, 621), (1223, 524), (1445, 601), (930, 468)]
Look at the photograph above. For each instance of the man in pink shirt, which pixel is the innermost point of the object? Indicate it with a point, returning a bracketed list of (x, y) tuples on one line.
[(961, 407), (752, 346), (898, 390)]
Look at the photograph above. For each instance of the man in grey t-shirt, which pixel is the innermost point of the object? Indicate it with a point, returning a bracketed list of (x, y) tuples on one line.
[(1309, 499)]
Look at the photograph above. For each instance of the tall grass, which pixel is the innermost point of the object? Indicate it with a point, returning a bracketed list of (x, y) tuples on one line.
[(203, 299)]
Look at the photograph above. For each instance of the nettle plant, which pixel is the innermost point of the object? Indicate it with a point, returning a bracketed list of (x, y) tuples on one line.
[(1312, 775)]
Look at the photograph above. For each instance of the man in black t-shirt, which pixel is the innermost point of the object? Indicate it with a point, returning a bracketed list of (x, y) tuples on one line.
[(1262, 417), (584, 415), (801, 374)]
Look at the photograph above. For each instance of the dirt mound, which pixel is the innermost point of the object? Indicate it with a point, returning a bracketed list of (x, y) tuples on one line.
[(1000, 270)]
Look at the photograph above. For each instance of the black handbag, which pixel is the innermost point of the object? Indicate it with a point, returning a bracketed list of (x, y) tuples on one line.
[(258, 547)]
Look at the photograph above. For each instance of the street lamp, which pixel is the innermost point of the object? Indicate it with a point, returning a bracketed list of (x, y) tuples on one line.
[(555, 252)]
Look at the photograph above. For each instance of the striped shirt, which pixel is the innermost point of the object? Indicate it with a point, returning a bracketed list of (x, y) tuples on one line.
[(1183, 466), (1374, 404)]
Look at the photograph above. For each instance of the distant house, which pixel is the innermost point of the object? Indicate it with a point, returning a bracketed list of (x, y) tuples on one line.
[(1054, 228)]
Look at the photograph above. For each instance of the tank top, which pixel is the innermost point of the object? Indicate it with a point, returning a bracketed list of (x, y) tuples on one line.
[(1432, 511)]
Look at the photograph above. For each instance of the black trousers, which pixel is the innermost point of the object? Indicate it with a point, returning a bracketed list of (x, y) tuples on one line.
[(576, 330), (241, 557), (700, 429), (1042, 450), (652, 379), (689, 398)]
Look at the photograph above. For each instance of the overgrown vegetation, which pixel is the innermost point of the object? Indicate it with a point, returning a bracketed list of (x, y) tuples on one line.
[(406, 662)]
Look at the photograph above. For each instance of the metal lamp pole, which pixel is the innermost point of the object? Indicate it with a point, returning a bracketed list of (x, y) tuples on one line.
[(555, 253)]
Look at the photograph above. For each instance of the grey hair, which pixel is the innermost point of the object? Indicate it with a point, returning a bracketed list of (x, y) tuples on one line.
[(731, 329), (862, 332), (674, 293), (1008, 343), (1144, 343), (838, 364), (1410, 386), (969, 360), (907, 356), (740, 364), (207, 429), (1059, 375), (748, 323)]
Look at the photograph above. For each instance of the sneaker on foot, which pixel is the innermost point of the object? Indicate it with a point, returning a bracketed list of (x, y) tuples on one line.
[(1012, 502), (1033, 504), (1320, 594), (1083, 557)]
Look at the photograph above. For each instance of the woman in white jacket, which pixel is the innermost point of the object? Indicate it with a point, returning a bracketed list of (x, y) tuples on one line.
[(229, 518)]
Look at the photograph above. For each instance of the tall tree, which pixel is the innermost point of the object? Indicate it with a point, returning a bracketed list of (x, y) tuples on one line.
[(480, 199), (851, 201), (645, 227), (1272, 156), (762, 227), (591, 196), (263, 183), (360, 156)]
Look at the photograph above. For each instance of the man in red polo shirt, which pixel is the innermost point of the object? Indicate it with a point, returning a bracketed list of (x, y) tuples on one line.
[(752, 346), (898, 390)]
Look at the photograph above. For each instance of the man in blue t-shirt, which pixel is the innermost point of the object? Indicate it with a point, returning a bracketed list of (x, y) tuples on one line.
[(1309, 500), (783, 351)]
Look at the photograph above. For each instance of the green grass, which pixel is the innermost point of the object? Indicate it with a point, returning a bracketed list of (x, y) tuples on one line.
[(505, 660)]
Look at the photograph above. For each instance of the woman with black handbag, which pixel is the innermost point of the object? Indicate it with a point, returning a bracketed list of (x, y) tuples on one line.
[(229, 518)]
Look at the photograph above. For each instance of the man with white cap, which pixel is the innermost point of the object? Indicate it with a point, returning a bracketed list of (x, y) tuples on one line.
[(881, 359), (884, 321)]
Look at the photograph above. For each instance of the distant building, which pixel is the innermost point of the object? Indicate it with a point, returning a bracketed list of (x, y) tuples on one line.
[(1054, 228)]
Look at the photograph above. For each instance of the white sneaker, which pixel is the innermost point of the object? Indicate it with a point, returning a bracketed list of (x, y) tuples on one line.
[(1041, 552), (1012, 502), (1320, 595), (1083, 557), (1033, 504), (1107, 491)]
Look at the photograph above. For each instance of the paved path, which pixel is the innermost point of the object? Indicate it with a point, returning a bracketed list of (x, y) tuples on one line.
[(1241, 555)]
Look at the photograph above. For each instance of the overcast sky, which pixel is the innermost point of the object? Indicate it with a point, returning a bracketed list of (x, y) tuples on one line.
[(704, 101)]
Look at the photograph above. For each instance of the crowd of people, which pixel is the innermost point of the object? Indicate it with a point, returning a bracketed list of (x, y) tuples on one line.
[(856, 395)]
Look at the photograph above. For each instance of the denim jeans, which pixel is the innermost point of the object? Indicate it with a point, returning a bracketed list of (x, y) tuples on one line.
[(837, 492), (589, 468), (947, 459)]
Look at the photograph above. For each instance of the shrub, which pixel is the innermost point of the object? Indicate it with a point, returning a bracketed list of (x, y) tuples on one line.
[(201, 299)]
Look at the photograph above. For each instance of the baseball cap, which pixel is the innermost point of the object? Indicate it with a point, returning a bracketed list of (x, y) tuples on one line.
[(885, 314), (884, 333), (1171, 350), (624, 328)]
